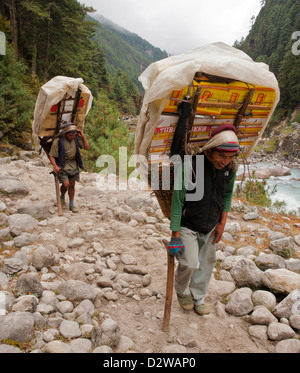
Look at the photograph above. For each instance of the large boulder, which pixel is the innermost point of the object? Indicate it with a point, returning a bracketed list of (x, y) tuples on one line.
[(246, 273), (38, 210), (17, 326), (12, 185), (281, 280), (240, 303), (22, 221), (76, 290)]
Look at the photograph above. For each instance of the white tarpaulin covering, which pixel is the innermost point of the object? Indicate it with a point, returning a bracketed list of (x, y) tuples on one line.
[(175, 73), (52, 93)]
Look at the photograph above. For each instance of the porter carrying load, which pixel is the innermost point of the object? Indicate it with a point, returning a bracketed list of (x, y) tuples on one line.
[(187, 99), (61, 101)]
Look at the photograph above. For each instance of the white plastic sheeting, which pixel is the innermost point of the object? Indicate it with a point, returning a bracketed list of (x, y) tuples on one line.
[(53, 92), (175, 73)]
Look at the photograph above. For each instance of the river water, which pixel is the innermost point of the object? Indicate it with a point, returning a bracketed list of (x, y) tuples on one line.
[(286, 190)]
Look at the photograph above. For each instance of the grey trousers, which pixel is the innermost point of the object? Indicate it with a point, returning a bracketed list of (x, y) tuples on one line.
[(195, 265)]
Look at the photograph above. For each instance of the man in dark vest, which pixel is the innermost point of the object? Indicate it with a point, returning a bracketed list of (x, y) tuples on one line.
[(66, 160), (197, 225)]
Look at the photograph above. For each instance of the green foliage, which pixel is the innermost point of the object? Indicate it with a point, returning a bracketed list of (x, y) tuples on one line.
[(106, 132), (256, 192), (270, 41), (125, 50), (125, 93), (54, 38), (16, 101)]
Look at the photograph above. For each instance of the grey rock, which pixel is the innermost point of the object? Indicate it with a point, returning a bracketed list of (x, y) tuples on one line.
[(11, 266), (3, 218), (76, 290), (295, 322), (76, 271), (128, 259), (279, 170), (230, 262), (269, 261), (70, 329), (42, 257), (65, 306), (45, 308), (135, 269), (38, 210), (262, 173), (81, 346), (4, 232), (76, 242), (262, 316), (152, 244), (240, 302), (23, 221), (40, 321), (246, 251), (25, 303), (125, 344), (297, 239), (274, 235), (288, 306), (258, 331), (96, 334), (103, 350), (232, 228), (111, 333), (173, 349), (283, 246), (29, 284), (264, 298), (3, 281), (251, 215), (227, 237), (246, 273), (278, 331), (288, 346), (12, 185), (104, 282), (24, 239), (57, 347), (86, 306), (49, 298), (8, 349), (17, 326), (281, 280), (293, 265)]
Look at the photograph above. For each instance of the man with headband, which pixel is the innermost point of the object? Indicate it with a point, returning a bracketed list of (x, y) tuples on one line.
[(66, 160), (197, 226)]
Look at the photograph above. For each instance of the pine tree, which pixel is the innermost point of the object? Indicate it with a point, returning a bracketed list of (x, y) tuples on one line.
[(16, 101)]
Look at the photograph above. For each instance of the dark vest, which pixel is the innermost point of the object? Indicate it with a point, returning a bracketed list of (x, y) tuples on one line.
[(202, 216), (61, 159)]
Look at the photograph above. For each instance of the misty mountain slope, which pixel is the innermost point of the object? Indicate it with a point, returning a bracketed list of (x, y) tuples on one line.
[(124, 50)]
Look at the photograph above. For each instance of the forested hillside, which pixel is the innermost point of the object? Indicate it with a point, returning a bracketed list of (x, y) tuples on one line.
[(125, 50), (270, 41), (46, 39)]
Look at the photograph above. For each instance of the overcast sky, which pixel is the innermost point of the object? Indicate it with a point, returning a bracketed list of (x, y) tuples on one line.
[(178, 26)]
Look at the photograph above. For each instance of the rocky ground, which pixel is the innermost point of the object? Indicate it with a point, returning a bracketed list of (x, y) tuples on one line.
[(95, 281)]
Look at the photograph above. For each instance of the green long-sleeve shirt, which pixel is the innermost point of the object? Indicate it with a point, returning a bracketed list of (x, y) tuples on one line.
[(179, 197)]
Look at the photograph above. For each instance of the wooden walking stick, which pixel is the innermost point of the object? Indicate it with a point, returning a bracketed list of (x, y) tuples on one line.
[(169, 290), (59, 208)]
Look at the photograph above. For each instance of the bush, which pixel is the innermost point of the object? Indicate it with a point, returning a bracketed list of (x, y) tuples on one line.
[(106, 133), (16, 101), (256, 192)]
